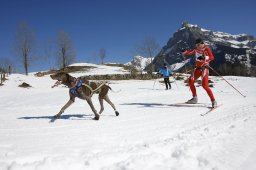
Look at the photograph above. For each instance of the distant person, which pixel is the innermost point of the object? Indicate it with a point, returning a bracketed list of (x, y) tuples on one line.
[(203, 56), (166, 72)]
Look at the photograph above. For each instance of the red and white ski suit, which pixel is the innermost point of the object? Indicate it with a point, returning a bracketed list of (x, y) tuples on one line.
[(201, 69)]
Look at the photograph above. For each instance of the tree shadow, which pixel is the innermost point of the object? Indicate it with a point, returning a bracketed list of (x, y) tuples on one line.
[(62, 117)]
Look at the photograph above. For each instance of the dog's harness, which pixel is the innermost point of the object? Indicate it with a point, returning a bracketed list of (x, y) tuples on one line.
[(73, 90), (80, 83)]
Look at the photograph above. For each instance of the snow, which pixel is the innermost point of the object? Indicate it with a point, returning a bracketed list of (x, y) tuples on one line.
[(177, 66), (140, 62), (99, 69), (205, 30), (232, 39), (191, 25), (150, 132)]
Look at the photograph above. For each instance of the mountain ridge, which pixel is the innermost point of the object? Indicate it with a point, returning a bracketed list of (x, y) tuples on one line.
[(230, 51)]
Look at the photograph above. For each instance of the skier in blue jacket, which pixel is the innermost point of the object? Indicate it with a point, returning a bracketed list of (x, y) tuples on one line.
[(166, 72)]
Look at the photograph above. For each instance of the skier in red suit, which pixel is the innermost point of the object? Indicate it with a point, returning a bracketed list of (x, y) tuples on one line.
[(203, 56)]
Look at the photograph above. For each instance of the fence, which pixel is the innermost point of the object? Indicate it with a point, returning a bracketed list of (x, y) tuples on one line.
[(122, 77)]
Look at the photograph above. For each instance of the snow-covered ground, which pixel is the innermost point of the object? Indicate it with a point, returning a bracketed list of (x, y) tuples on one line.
[(151, 133), (100, 69)]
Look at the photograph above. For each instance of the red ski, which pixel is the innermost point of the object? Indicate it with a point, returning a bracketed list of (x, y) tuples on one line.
[(211, 109), (190, 104)]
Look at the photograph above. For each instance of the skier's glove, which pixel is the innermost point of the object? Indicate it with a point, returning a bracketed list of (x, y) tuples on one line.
[(201, 58)]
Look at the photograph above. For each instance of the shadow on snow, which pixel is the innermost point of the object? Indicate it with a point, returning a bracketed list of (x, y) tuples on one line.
[(64, 117), (165, 105), (146, 104)]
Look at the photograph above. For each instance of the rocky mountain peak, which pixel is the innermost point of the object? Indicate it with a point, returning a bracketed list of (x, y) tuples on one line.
[(231, 50)]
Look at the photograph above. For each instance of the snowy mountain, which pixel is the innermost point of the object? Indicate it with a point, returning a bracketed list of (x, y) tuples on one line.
[(231, 51), (140, 62), (152, 131)]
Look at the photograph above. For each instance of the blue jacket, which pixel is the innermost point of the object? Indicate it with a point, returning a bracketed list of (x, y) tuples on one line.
[(166, 72)]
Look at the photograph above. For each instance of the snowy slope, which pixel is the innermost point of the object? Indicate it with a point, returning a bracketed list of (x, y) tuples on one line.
[(140, 62), (150, 133), (100, 69), (177, 66)]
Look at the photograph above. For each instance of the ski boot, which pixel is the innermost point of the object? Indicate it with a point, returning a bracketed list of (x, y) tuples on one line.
[(214, 104), (193, 100)]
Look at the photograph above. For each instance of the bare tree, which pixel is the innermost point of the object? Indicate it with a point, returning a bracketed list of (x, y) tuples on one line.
[(6, 65), (25, 44), (102, 55), (65, 52), (148, 47)]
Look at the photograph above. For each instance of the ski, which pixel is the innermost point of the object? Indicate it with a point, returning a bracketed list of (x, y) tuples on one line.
[(210, 110), (190, 104)]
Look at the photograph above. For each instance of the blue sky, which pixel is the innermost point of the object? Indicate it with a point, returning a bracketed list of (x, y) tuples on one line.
[(117, 25)]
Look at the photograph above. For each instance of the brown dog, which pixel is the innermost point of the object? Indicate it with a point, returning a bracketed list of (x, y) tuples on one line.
[(83, 89)]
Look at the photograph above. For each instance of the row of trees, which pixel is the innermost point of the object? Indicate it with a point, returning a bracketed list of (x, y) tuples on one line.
[(235, 69), (25, 49), (62, 49)]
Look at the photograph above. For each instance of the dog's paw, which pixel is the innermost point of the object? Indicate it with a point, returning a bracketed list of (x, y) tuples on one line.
[(96, 118), (117, 113), (56, 116)]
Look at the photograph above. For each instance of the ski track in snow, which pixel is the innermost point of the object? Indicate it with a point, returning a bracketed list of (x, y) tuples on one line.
[(150, 132)]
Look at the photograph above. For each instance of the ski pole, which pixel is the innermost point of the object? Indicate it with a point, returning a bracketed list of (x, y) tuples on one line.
[(174, 78), (175, 82), (154, 84), (225, 80), (184, 61)]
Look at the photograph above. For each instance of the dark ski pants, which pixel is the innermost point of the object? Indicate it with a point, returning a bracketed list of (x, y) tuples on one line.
[(167, 82)]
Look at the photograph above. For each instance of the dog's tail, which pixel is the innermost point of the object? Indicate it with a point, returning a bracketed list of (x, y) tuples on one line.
[(112, 89)]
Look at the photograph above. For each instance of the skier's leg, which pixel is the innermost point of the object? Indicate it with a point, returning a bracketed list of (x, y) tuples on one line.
[(165, 82), (194, 76), (205, 85), (169, 83)]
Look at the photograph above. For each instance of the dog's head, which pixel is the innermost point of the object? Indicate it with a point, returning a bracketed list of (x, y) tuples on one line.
[(63, 78)]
